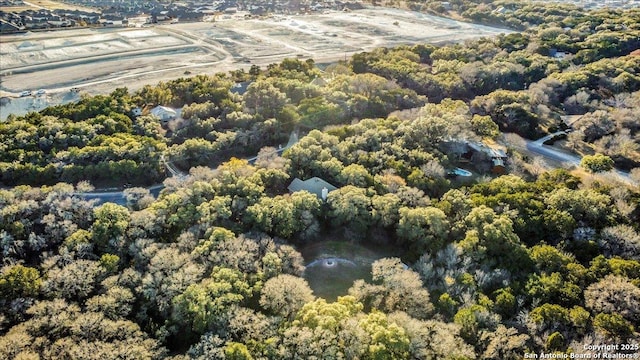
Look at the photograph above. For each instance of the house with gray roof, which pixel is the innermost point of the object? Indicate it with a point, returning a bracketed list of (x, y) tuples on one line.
[(315, 185), (497, 156), (165, 114)]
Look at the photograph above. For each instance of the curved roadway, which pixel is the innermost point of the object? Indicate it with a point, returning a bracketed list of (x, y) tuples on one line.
[(535, 146), (118, 197), (552, 153)]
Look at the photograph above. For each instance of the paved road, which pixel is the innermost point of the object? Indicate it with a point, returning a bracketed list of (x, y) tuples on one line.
[(116, 196), (549, 152), (536, 146), (119, 198), (552, 153)]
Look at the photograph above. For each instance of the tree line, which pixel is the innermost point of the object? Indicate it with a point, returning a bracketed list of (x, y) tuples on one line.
[(532, 261)]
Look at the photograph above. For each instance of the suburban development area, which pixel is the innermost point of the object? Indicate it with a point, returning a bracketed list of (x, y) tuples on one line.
[(95, 60), (319, 179)]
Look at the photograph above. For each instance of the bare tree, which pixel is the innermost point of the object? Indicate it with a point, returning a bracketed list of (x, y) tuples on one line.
[(614, 295), (515, 141), (269, 158), (538, 166), (635, 175), (433, 169), (574, 139)]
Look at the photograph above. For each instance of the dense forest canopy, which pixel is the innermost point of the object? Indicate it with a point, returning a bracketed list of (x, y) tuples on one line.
[(490, 267)]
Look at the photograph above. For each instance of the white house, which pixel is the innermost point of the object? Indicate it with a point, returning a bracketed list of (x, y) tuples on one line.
[(164, 113)]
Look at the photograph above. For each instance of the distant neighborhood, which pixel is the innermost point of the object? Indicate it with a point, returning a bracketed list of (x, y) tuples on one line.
[(115, 13), (594, 4)]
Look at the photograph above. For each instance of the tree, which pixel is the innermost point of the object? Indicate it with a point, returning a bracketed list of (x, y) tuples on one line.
[(433, 339), (490, 239), (583, 205), (350, 206), (505, 303), (550, 317), (138, 198), (597, 163), (313, 156), (273, 216), (168, 273), (109, 227), (581, 319), (552, 288), (549, 259), (613, 325), (285, 295), (264, 99), (253, 328), (318, 112), (214, 212), (595, 125), (305, 343), (372, 95), (201, 305), (237, 351), (269, 158), (19, 281), (555, 342), (574, 139), (429, 130), (511, 110), (504, 343), (474, 318), (252, 254), (620, 240), (210, 346), (393, 288), (456, 204), (76, 280), (614, 295), (286, 216), (423, 228), (66, 332), (115, 304), (325, 315), (484, 126), (387, 340), (275, 180), (385, 210), (324, 330), (356, 175)]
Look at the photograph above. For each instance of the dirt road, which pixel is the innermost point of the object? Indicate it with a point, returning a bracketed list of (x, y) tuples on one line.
[(97, 61)]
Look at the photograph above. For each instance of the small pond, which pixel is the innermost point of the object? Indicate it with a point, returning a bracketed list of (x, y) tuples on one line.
[(333, 266)]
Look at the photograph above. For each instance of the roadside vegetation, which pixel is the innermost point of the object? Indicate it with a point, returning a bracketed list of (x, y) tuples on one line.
[(534, 261)]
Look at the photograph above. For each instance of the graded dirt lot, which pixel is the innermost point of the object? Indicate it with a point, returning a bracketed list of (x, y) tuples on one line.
[(99, 60), (44, 4)]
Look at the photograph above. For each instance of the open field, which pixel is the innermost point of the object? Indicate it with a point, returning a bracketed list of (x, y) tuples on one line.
[(99, 60)]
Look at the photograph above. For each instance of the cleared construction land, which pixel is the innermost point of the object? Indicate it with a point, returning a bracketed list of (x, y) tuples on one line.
[(99, 60), (43, 4)]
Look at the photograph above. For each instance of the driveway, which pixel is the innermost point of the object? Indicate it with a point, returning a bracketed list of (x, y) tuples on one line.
[(552, 153)]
